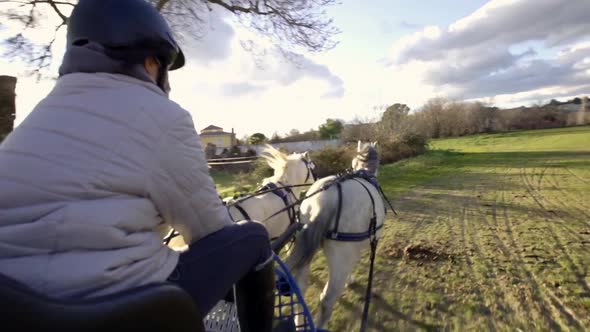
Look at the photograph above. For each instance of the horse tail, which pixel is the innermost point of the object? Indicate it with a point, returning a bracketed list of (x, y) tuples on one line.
[(308, 241)]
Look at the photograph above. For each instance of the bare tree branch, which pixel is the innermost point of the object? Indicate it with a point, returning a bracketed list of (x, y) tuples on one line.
[(292, 25), (252, 9), (54, 5), (44, 59), (28, 13), (61, 15)]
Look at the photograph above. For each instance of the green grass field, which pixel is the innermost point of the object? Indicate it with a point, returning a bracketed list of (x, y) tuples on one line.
[(502, 223)]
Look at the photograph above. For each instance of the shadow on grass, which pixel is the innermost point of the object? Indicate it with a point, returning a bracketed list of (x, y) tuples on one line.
[(573, 159), (401, 177), (378, 304), (450, 180)]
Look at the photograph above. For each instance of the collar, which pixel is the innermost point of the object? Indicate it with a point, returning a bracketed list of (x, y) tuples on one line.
[(105, 80)]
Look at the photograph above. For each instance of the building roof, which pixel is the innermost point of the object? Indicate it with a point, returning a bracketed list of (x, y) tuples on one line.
[(212, 127), (215, 133)]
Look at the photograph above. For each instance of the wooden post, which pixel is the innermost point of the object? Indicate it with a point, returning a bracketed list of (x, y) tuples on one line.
[(7, 105)]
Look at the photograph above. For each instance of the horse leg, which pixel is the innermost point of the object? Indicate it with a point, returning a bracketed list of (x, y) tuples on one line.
[(342, 257), (301, 278)]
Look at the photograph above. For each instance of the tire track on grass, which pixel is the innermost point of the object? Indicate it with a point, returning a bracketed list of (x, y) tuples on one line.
[(477, 277), (413, 213), (505, 284), (517, 303), (552, 179), (532, 191), (576, 266), (518, 298), (576, 175), (561, 308), (560, 180)]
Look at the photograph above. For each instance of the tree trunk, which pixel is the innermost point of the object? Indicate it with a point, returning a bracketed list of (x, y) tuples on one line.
[(7, 105)]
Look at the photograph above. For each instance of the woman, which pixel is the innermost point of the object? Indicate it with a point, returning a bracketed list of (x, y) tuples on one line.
[(105, 161)]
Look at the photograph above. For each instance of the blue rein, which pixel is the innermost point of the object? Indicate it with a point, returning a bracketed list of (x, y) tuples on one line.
[(282, 192)]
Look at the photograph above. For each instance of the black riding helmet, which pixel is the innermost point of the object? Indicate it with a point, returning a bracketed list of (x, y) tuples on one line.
[(129, 30)]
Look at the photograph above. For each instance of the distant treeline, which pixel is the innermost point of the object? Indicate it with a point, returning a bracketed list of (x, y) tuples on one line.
[(445, 118)]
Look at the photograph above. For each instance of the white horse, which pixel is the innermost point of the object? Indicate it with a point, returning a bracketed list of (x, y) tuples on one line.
[(318, 213), (292, 169)]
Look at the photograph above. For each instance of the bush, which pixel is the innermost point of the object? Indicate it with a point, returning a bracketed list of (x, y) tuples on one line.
[(441, 117), (392, 151), (410, 145), (243, 183), (260, 170), (416, 142), (246, 182), (210, 151), (235, 151), (332, 160), (537, 118)]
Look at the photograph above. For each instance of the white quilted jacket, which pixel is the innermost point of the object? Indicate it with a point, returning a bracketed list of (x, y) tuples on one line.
[(88, 179)]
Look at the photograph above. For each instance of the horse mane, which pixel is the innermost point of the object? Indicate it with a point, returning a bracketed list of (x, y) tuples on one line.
[(274, 158)]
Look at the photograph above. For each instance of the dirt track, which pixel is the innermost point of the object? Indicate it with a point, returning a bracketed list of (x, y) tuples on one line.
[(511, 244)]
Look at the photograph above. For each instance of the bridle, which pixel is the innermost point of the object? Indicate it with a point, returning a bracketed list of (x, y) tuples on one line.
[(310, 166)]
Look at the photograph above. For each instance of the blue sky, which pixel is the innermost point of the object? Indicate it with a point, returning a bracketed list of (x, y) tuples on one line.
[(370, 27), (506, 52)]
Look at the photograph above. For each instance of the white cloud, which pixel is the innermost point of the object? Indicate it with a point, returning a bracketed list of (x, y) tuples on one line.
[(215, 43), (512, 51), (244, 62), (275, 73), (254, 87), (241, 88), (475, 56), (223, 83), (541, 96)]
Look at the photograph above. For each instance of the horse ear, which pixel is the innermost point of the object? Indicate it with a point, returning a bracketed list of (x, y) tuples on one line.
[(358, 147), (374, 144), (306, 154)]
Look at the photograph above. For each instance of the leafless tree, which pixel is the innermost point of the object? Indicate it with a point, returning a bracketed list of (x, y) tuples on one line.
[(364, 129), (432, 117), (395, 122), (292, 25), (581, 117), (30, 14)]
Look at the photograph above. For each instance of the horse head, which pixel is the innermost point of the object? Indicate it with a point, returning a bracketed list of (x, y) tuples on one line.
[(289, 169), (367, 158)]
